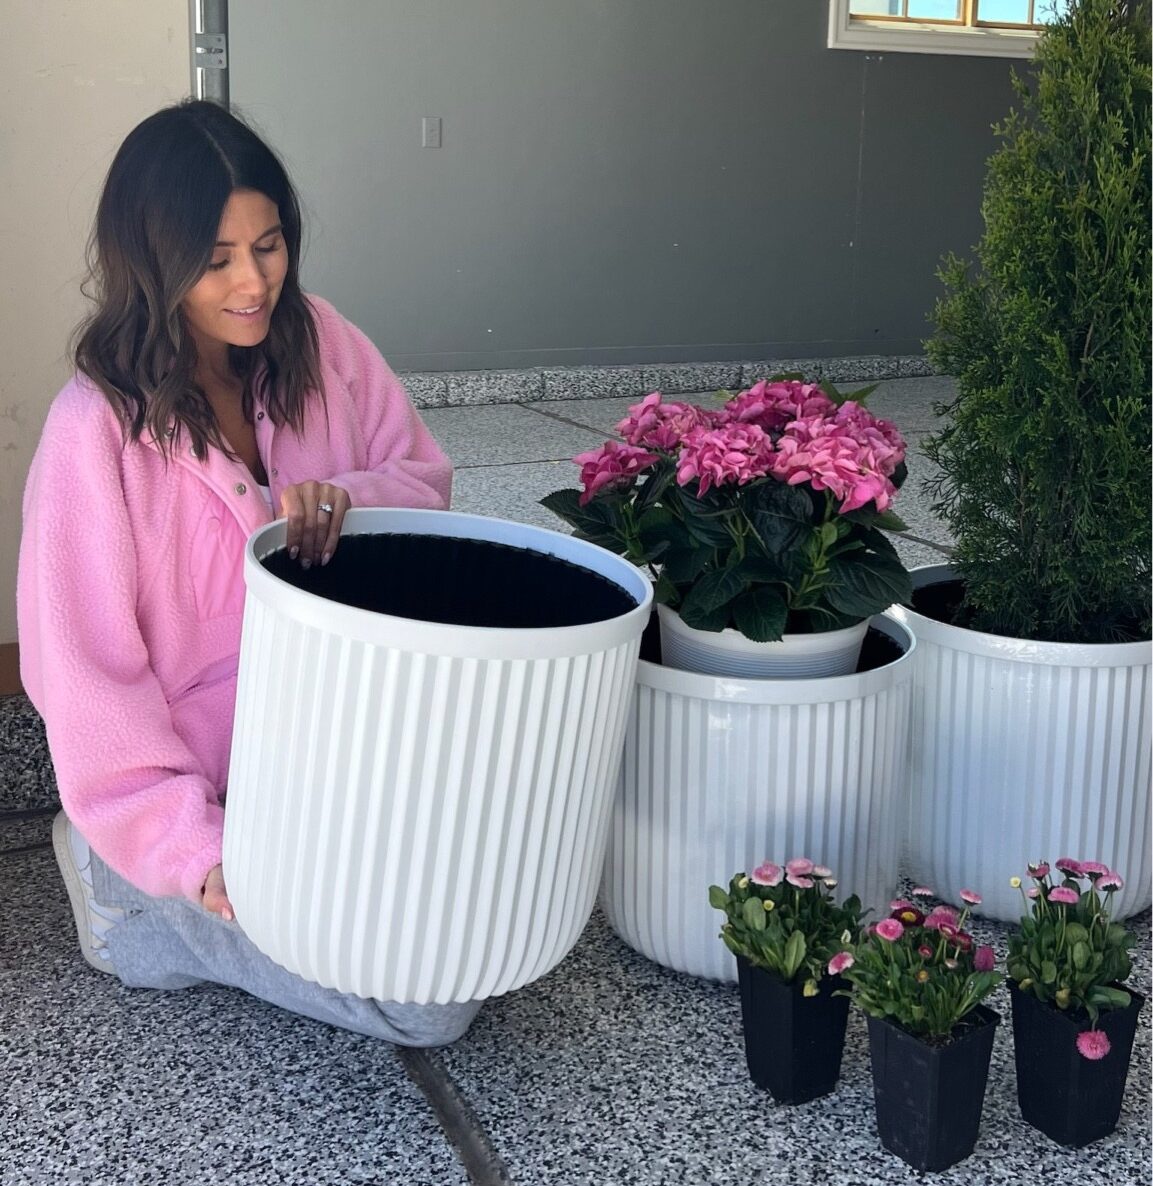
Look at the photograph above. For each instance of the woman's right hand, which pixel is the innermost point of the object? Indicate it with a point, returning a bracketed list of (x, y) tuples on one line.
[(214, 897)]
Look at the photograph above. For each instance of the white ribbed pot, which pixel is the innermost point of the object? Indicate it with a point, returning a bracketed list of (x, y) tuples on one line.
[(418, 811), (720, 774), (1024, 751), (729, 652)]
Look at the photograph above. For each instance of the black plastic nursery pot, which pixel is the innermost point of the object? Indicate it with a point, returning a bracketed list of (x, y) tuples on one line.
[(1072, 1099), (793, 1043), (464, 582), (929, 1097)]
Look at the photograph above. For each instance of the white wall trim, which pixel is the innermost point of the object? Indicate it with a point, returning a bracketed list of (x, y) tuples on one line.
[(890, 37)]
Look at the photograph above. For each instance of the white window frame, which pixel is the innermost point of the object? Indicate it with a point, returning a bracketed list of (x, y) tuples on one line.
[(905, 37)]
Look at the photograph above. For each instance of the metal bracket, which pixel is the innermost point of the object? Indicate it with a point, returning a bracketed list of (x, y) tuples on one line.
[(210, 51)]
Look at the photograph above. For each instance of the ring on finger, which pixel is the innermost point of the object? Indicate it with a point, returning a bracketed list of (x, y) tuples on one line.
[(326, 507)]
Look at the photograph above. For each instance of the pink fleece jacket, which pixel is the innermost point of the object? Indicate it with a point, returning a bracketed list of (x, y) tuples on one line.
[(130, 596)]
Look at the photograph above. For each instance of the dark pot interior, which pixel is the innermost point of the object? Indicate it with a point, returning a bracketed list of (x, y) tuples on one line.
[(462, 582)]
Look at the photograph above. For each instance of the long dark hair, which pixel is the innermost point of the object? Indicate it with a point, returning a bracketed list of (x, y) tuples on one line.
[(156, 227)]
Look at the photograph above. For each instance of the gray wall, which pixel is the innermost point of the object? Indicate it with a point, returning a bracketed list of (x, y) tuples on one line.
[(621, 181)]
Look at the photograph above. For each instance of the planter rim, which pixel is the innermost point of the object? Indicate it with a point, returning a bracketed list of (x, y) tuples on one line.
[(440, 638), (987, 1015), (1001, 646), (815, 690), (1136, 1000)]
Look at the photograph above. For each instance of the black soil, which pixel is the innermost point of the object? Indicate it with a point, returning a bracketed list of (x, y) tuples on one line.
[(941, 601), (462, 582)]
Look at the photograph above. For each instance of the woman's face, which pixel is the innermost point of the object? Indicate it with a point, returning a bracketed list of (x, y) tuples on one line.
[(232, 303)]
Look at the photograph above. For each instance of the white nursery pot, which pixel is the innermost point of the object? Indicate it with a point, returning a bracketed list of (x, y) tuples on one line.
[(417, 811), (729, 652), (1025, 751), (720, 774)]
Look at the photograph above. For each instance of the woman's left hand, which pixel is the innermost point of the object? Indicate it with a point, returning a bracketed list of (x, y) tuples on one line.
[(315, 511)]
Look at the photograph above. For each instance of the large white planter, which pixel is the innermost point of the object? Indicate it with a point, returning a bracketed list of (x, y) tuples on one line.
[(1023, 751), (720, 774), (418, 811)]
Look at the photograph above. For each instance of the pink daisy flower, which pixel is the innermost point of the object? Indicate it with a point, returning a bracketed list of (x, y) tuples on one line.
[(1094, 869), (766, 874), (1093, 1044), (983, 959), (971, 896), (922, 891), (799, 867), (889, 929), (1069, 867), (840, 962), (799, 882), (1064, 895), (1110, 883)]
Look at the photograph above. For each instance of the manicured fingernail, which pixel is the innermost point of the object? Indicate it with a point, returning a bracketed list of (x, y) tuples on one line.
[(226, 914), (293, 553), (325, 558), (306, 563)]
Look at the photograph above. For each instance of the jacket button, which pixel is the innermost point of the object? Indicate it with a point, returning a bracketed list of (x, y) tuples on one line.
[(241, 488)]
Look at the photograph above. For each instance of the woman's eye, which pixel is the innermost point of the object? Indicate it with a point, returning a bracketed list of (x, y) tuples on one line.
[(269, 250), (217, 265)]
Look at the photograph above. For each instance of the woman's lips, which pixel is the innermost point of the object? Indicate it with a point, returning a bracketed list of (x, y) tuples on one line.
[(248, 312)]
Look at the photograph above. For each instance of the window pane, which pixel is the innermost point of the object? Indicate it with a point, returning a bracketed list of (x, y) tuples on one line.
[(935, 10), (1006, 11), (874, 7)]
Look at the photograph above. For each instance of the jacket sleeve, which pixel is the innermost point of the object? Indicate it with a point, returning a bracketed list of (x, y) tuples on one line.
[(127, 781), (404, 466)]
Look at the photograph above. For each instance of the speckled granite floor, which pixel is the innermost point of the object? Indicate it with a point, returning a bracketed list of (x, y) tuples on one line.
[(609, 1071)]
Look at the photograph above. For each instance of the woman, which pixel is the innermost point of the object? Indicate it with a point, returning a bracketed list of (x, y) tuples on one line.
[(211, 395)]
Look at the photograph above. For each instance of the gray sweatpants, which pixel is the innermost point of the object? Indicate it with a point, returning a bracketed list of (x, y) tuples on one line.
[(172, 943)]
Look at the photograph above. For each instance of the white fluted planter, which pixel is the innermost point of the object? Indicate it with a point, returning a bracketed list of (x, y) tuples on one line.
[(418, 811), (721, 773), (1023, 751)]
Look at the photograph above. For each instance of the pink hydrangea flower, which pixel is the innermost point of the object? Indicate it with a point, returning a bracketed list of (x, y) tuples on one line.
[(1110, 883), (1069, 867), (734, 453), (1064, 895), (890, 929), (1093, 1044), (800, 866), (657, 425), (766, 874), (773, 405), (1039, 870), (840, 962), (971, 896), (850, 453), (1094, 869), (983, 958), (612, 466)]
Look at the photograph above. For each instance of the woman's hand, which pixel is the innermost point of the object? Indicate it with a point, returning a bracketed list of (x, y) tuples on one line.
[(313, 529), (214, 897)]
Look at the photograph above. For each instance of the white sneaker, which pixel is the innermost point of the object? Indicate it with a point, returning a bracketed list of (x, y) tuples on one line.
[(93, 921)]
